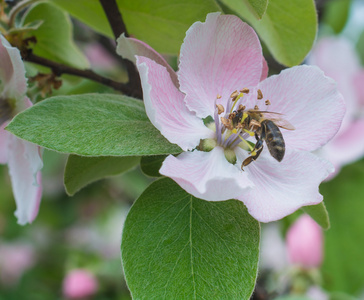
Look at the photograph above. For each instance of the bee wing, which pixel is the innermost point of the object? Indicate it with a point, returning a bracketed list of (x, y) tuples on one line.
[(277, 119)]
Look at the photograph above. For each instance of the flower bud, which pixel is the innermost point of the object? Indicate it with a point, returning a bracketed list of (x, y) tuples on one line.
[(304, 242), (79, 283)]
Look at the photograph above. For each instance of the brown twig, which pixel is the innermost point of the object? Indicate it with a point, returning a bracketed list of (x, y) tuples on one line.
[(118, 27), (59, 69)]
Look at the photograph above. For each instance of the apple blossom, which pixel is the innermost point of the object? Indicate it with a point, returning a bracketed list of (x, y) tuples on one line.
[(219, 58), (79, 283), (23, 158), (338, 59), (304, 243)]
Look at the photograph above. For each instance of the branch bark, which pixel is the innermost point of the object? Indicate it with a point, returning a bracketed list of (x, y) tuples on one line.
[(118, 27), (59, 69)]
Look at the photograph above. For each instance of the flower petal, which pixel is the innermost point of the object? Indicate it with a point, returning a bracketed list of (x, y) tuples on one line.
[(166, 109), (283, 187), (310, 101), (206, 175), (130, 47), (24, 165), (347, 146), (12, 72), (4, 139), (339, 60), (218, 57), (265, 70)]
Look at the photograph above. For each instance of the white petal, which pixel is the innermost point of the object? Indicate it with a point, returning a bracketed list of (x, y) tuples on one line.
[(283, 187), (166, 109), (24, 165), (206, 175)]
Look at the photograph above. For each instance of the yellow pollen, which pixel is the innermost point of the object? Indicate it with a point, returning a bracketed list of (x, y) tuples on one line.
[(251, 133)]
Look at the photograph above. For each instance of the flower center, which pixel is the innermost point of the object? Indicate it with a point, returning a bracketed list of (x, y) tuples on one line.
[(237, 125)]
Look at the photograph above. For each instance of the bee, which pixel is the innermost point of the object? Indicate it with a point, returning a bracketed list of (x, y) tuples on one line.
[(265, 126)]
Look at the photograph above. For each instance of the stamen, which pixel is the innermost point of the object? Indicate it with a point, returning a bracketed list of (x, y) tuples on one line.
[(246, 142), (251, 133), (267, 102), (218, 96), (227, 123), (241, 107), (220, 109), (236, 99), (260, 94), (245, 90), (256, 107), (234, 95)]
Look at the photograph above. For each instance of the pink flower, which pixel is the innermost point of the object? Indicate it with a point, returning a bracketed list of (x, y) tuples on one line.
[(338, 59), (304, 242), (15, 259), (79, 283), (23, 158), (217, 58)]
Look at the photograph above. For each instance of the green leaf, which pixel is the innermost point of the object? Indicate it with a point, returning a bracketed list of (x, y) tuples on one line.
[(175, 246), (162, 24), (336, 14), (91, 125), (89, 12), (150, 165), (256, 7), (319, 214), (287, 27), (54, 35), (344, 243), (81, 171)]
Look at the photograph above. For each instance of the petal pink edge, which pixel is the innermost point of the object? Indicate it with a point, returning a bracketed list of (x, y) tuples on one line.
[(129, 48), (166, 109)]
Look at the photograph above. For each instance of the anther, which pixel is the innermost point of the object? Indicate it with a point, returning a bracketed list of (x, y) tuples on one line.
[(245, 90), (256, 107), (241, 107), (227, 123), (220, 108), (234, 95), (260, 95), (267, 102), (218, 96)]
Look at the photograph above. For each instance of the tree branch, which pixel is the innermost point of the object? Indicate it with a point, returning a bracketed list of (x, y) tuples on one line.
[(59, 69), (117, 25), (114, 17)]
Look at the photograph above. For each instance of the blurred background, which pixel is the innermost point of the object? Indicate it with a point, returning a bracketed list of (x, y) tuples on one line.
[(72, 249)]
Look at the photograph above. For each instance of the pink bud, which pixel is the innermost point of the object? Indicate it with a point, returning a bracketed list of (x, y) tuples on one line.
[(79, 283), (304, 243)]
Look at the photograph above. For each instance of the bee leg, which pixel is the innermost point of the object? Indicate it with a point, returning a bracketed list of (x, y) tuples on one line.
[(251, 158)]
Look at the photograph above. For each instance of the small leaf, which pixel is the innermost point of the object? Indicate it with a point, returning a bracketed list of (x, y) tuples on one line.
[(360, 47), (150, 165), (256, 7), (287, 27), (336, 14), (81, 171), (319, 213), (59, 47), (91, 125), (175, 246)]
